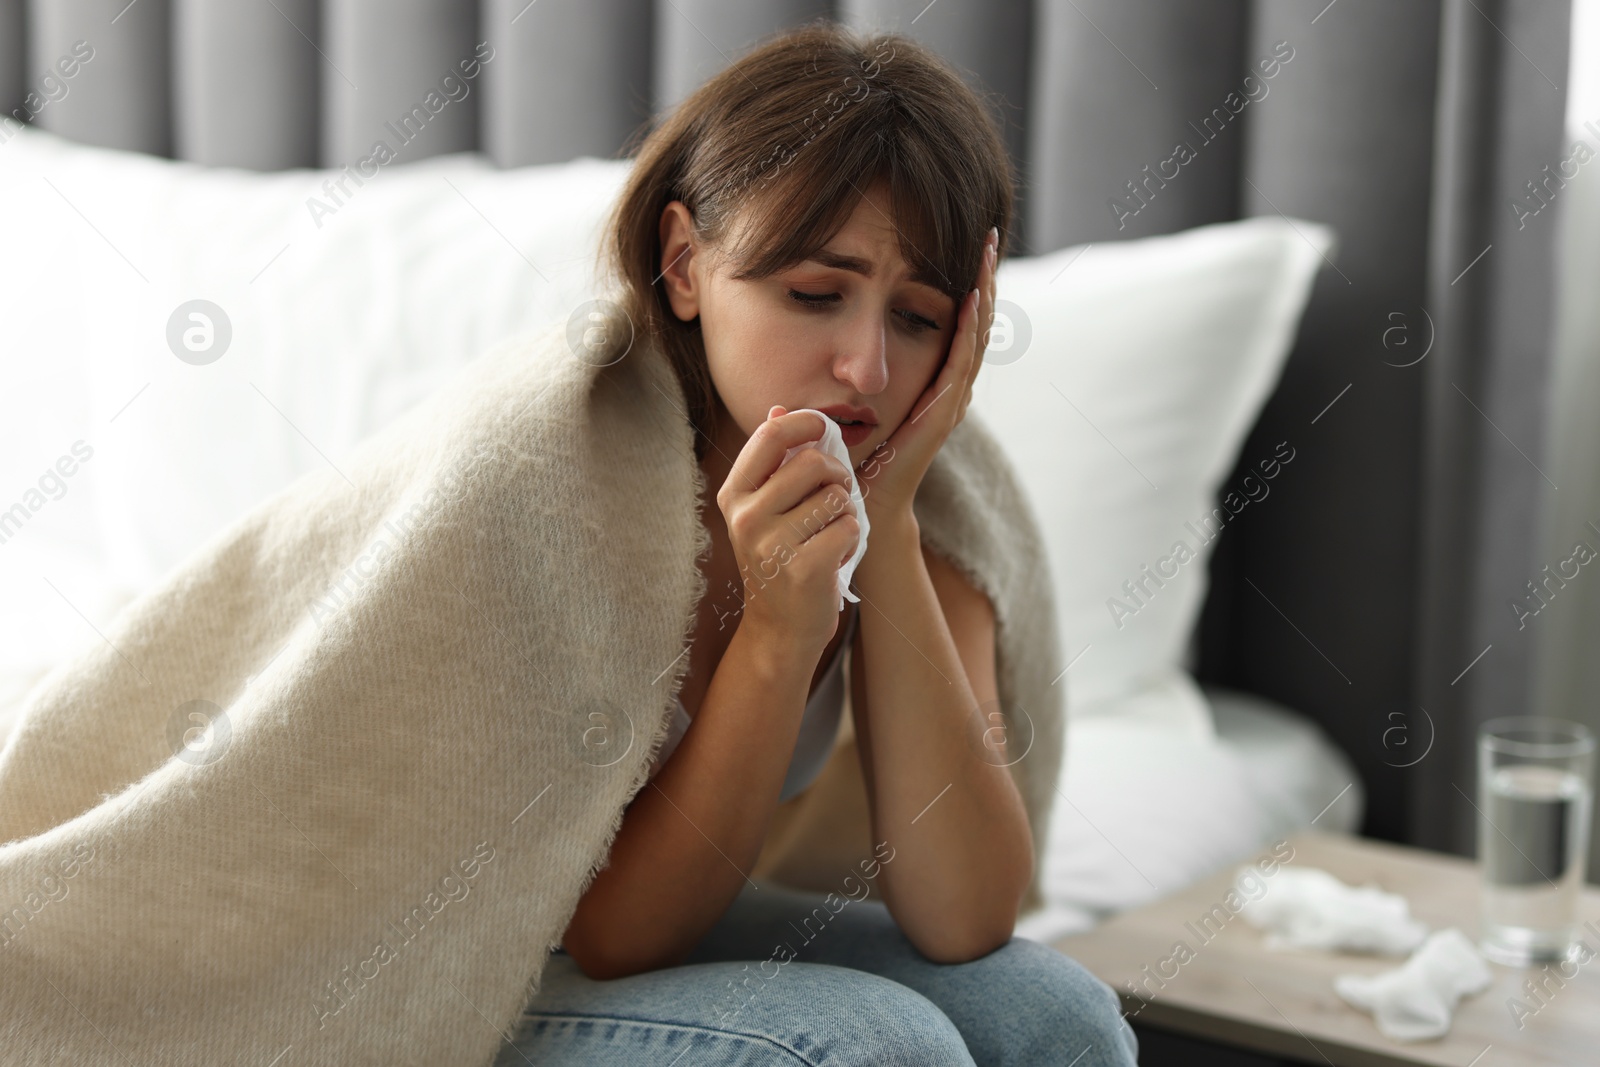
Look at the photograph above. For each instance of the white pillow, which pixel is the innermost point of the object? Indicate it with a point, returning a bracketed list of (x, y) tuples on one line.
[(339, 321), (1122, 379), (336, 329)]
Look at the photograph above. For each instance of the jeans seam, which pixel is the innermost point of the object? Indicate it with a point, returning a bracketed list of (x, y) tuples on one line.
[(713, 1030)]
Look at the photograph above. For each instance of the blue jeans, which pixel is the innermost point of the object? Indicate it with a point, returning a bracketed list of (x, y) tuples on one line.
[(785, 979)]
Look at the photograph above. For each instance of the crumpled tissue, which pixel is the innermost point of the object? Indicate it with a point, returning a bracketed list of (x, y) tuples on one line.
[(832, 443), (1309, 908), (1415, 1001)]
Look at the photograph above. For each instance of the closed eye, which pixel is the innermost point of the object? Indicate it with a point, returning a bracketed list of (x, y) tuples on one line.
[(824, 301)]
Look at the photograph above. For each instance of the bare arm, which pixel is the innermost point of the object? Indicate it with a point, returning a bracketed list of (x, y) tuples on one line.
[(691, 834), (924, 667)]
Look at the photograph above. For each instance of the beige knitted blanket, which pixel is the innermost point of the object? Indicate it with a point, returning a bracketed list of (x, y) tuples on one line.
[(329, 792)]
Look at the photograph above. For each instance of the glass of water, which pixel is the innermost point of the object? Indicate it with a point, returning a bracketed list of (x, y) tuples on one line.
[(1535, 783)]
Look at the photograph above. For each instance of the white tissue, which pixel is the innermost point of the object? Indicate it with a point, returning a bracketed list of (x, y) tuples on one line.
[(833, 444), (1416, 1000), (1308, 908)]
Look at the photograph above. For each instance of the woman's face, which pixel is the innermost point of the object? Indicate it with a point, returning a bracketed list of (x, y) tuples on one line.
[(848, 327)]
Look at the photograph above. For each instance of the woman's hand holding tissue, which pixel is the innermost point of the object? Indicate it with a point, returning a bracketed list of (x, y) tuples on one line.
[(792, 526), (891, 475)]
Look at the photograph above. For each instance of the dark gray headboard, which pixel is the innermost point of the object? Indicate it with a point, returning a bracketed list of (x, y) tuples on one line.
[(1356, 596)]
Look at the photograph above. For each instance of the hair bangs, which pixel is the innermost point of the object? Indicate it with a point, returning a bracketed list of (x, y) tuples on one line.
[(939, 230)]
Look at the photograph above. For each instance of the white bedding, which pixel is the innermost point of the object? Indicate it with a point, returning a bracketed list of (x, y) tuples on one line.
[(1142, 811)]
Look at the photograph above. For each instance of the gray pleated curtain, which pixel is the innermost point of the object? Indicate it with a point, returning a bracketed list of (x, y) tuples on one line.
[(1373, 593)]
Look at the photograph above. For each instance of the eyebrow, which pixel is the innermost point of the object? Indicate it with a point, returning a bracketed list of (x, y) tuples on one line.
[(864, 267)]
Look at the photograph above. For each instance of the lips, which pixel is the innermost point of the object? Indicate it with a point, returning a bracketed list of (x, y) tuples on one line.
[(846, 415), (853, 433), (855, 424)]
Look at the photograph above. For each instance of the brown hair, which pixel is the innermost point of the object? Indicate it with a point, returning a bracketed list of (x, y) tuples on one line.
[(796, 130)]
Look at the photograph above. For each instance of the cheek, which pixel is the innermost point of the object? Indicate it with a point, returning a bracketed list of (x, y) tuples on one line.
[(753, 366)]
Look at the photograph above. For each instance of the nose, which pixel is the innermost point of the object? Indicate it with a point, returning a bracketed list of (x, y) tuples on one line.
[(862, 359)]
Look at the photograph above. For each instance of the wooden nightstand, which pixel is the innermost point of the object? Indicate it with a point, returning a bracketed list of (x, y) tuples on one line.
[(1235, 993)]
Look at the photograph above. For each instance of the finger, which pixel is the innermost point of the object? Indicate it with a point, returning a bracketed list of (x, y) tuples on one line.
[(954, 366), (817, 511), (835, 543), (764, 452), (981, 323), (972, 340), (839, 540), (986, 310), (976, 359), (968, 348), (985, 313), (810, 471)]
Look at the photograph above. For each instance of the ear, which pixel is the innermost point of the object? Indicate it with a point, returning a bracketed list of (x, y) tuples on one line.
[(680, 264)]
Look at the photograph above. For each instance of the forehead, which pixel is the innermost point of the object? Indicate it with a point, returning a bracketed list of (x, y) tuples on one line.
[(774, 234), (869, 244), (838, 254), (869, 231)]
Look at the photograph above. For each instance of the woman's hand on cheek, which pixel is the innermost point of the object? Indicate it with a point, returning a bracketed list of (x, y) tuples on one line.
[(890, 476)]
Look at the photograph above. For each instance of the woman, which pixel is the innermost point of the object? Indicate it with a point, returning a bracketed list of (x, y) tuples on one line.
[(818, 227)]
